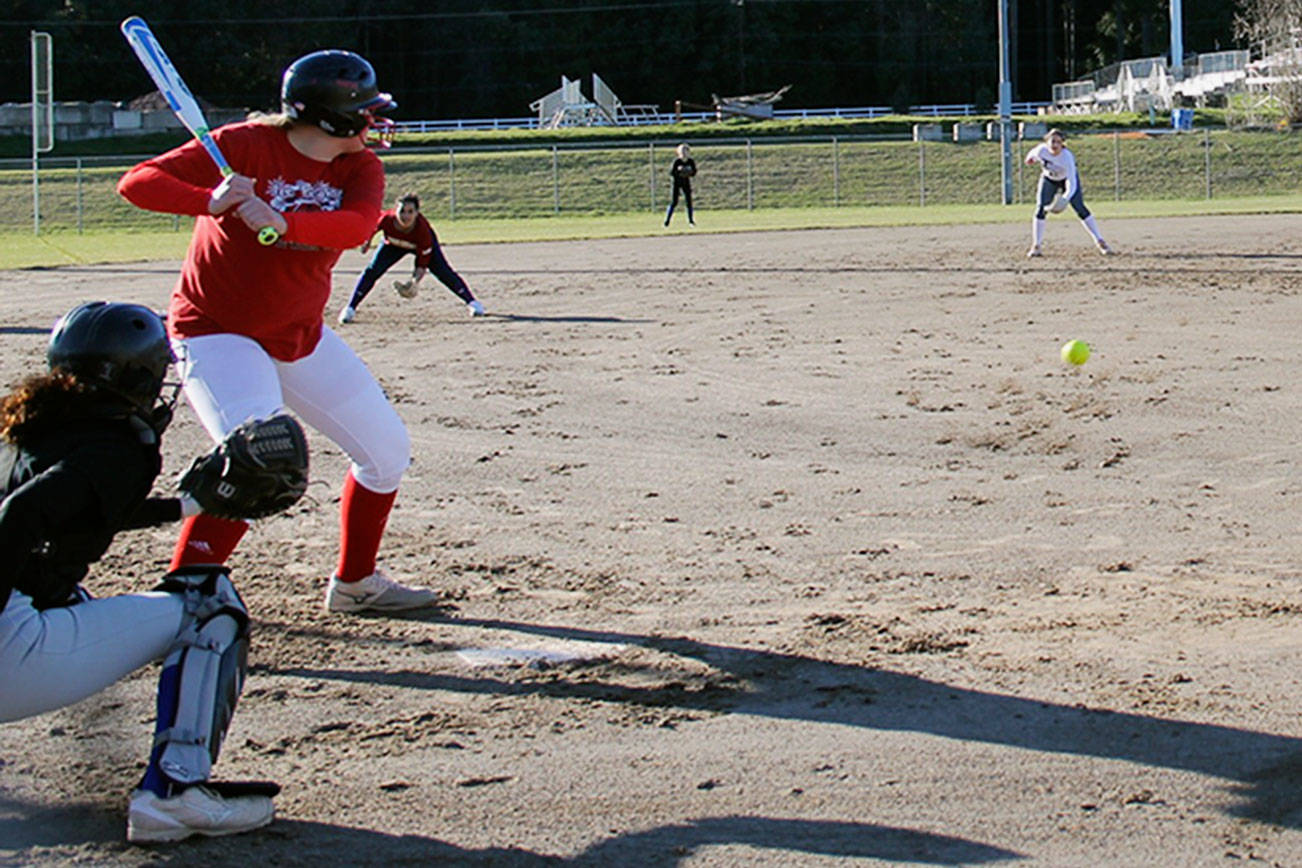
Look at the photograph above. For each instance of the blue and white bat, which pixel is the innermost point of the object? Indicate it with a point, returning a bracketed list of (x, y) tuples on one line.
[(178, 96)]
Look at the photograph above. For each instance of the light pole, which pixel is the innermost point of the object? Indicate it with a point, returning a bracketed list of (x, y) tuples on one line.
[(1177, 39), (1005, 105)]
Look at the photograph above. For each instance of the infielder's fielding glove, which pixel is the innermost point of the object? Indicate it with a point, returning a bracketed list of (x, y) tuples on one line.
[(258, 470), (407, 288)]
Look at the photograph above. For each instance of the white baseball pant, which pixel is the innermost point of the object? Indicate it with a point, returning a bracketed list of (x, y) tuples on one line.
[(229, 379), (60, 656)]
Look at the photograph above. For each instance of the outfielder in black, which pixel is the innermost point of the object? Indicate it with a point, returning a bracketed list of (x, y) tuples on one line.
[(682, 171)]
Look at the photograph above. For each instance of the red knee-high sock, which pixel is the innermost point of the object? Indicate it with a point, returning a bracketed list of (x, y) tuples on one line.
[(206, 539), (362, 516)]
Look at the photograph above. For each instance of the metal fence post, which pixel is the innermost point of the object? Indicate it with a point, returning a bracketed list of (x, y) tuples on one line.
[(1207, 160), (452, 185), (556, 182), (79, 208), (651, 171), (1116, 165), (922, 173), (36, 192), (1021, 163), (836, 174), (750, 178)]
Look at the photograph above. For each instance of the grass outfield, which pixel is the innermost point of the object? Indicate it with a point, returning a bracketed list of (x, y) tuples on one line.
[(24, 250)]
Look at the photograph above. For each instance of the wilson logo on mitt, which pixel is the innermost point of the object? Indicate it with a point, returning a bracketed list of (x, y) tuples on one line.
[(260, 469)]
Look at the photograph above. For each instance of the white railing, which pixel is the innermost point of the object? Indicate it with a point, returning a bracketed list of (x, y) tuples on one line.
[(655, 118)]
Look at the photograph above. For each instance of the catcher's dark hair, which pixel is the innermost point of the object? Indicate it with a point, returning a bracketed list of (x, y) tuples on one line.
[(411, 197), (39, 404)]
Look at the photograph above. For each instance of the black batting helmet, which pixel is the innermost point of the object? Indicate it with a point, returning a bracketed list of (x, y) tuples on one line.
[(334, 90), (119, 348)]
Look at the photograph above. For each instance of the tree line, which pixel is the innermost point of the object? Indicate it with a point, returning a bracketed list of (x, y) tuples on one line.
[(482, 58)]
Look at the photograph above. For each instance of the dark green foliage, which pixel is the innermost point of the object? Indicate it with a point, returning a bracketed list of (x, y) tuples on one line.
[(470, 58)]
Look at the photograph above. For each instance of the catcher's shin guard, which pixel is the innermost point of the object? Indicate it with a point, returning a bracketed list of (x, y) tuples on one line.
[(203, 675)]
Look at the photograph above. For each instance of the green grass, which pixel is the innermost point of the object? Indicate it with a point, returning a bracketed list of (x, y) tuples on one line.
[(65, 248), (537, 181), (736, 128), (478, 193), (50, 249)]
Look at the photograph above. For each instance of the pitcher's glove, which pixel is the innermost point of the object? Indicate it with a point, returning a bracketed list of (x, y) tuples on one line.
[(258, 470), (407, 288)]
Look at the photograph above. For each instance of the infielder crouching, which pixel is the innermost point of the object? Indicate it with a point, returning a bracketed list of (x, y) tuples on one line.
[(405, 230), (79, 452), (1059, 178)]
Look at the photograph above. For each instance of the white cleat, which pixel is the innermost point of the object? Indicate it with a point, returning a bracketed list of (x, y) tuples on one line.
[(475, 308), (376, 593), (346, 315), (1034, 252), (1104, 248), (197, 811)]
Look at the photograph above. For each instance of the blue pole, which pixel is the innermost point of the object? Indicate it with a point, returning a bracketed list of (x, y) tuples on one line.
[(1005, 105), (1177, 39)]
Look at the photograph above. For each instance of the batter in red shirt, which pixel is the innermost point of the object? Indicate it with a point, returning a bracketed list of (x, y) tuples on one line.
[(407, 231), (246, 320)]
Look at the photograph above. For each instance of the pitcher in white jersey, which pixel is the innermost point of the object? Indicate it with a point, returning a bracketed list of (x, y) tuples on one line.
[(1059, 187)]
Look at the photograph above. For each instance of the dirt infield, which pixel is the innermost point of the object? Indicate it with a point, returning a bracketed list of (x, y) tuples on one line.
[(782, 548)]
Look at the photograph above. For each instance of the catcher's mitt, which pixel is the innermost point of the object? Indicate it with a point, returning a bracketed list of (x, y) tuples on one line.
[(407, 288), (258, 470)]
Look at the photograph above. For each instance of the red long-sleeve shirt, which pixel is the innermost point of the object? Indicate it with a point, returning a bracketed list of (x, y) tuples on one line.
[(229, 282), (418, 237)]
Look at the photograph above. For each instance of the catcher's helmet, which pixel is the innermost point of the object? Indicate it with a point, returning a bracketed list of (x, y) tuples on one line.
[(335, 90), (119, 348)]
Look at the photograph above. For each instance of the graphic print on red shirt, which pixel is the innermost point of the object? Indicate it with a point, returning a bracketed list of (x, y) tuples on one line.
[(229, 282)]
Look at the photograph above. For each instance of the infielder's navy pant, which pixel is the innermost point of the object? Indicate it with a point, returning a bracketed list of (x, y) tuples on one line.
[(381, 262), (1050, 188)]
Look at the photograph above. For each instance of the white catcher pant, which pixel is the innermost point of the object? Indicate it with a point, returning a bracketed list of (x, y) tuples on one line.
[(60, 656), (230, 379)]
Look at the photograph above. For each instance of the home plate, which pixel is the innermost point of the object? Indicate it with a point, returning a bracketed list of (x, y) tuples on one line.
[(480, 658)]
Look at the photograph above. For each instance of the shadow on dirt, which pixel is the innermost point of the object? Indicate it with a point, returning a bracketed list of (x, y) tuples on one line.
[(788, 686), (24, 827), (519, 317)]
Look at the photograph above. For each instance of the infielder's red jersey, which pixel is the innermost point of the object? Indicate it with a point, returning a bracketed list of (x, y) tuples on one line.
[(229, 282), (418, 237)]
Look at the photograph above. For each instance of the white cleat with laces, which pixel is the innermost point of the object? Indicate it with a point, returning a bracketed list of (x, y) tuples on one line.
[(376, 593), (197, 811)]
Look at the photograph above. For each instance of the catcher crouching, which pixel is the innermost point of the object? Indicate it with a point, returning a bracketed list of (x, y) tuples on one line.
[(79, 453)]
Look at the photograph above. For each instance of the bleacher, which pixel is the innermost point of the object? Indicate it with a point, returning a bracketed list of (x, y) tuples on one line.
[(567, 106), (1148, 82)]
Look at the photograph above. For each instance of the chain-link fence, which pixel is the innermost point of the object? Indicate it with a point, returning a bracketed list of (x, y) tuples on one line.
[(77, 194)]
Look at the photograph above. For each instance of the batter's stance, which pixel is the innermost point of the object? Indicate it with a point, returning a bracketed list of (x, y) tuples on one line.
[(79, 451), (246, 320), (407, 231)]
